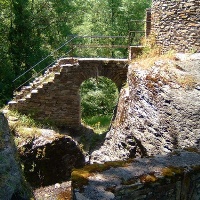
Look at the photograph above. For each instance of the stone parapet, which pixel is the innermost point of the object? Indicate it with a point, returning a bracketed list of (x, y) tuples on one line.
[(176, 176)]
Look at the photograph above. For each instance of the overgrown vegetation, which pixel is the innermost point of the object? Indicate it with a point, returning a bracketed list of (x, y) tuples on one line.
[(151, 52), (31, 30), (99, 124), (151, 56), (24, 127), (98, 100)]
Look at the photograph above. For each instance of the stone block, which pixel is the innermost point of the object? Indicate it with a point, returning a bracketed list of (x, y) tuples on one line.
[(164, 187)]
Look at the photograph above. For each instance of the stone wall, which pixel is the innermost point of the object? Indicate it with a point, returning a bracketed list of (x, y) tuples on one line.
[(56, 97), (176, 24), (175, 176)]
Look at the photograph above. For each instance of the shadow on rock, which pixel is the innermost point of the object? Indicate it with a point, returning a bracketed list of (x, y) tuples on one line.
[(85, 136), (49, 158)]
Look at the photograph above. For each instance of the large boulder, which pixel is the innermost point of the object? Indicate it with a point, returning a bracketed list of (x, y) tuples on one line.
[(12, 184), (49, 157), (158, 110)]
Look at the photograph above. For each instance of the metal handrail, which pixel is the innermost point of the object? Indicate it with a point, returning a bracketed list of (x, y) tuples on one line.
[(103, 36), (51, 54), (37, 73), (100, 46), (72, 46)]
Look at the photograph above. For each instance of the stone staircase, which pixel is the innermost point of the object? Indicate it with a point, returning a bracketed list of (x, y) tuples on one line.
[(27, 92), (55, 96)]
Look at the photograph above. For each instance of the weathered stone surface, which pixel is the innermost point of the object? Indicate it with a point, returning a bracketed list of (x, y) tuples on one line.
[(175, 24), (161, 177), (49, 158), (158, 112), (11, 181), (57, 191)]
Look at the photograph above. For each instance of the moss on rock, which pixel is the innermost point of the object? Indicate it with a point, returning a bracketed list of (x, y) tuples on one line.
[(79, 177)]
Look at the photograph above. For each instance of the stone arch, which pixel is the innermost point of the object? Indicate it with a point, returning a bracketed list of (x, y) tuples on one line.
[(59, 100), (115, 70)]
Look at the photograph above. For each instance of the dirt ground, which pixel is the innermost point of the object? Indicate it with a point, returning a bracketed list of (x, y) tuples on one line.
[(58, 191)]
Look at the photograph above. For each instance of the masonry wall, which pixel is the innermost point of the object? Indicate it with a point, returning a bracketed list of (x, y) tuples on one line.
[(176, 24), (58, 100), (157, 178)]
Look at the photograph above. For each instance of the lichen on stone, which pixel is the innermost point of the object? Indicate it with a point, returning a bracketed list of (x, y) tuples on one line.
[(79, 177), (172, 171)]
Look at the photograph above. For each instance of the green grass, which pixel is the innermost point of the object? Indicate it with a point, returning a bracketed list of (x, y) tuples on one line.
[(99, 124)]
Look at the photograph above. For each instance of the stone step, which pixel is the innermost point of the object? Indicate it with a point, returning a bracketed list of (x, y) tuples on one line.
[(28, 96), (33, 87), (57, 74), (12, 104), (34, 91), (22, 100), (39, 84)]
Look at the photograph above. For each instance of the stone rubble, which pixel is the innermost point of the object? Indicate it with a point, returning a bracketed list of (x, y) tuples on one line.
[(49, 157)]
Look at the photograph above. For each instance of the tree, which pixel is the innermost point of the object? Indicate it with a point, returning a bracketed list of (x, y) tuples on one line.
[(109, 17), (6, 73), (98, 97), (20, 36)]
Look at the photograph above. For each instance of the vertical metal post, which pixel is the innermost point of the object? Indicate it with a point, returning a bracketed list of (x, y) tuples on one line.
[(148, 22), (72, 46)]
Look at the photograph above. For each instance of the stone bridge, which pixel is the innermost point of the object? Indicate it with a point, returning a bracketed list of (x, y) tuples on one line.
[(55, 96)]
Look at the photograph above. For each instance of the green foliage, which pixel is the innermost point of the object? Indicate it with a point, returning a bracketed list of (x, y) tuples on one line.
[(31, 30), (98, 100), (100, 124), (5, 68), (98, 97), (98, 121), (111, 18), (23, 120), (20, 36)]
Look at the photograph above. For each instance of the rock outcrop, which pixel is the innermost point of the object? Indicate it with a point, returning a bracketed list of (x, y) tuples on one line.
[(158, 111), (174, 176), (12, 184), (49, 157)]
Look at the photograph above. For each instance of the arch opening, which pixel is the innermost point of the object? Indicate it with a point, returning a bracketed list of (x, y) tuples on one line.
[(99, 97)]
